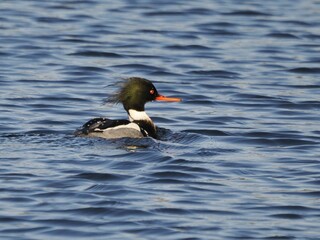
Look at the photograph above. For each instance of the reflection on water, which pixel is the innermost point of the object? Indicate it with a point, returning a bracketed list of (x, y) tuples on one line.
[(237, 159)]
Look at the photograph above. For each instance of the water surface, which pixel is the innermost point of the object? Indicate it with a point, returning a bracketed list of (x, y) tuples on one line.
[(238, 158)]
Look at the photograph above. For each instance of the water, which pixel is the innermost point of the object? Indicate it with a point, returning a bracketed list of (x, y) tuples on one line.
[(238, 158)]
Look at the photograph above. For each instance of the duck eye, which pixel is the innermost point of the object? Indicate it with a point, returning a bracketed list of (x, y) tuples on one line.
[(151, 91)]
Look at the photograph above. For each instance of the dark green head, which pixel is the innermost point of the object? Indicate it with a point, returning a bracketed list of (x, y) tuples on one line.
[(135, 92)]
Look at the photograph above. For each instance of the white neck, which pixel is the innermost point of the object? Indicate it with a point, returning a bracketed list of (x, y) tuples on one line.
[(135, 115)]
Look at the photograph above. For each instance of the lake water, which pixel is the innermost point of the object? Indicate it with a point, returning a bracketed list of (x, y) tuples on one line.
[(239, 158)]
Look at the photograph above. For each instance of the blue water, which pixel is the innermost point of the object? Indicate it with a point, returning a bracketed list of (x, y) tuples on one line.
[(239, 158)]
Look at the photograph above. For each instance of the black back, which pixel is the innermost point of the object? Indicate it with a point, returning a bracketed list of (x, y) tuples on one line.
[(100, 124)]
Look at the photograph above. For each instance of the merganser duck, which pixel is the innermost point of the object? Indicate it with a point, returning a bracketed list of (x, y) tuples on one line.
[(134, 94)]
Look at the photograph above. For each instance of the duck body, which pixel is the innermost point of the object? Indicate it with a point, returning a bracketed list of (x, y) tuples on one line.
[(107, 128), (134, 93)]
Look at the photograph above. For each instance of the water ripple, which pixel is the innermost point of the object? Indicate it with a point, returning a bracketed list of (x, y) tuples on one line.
[(238, 158), (96, 54)]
